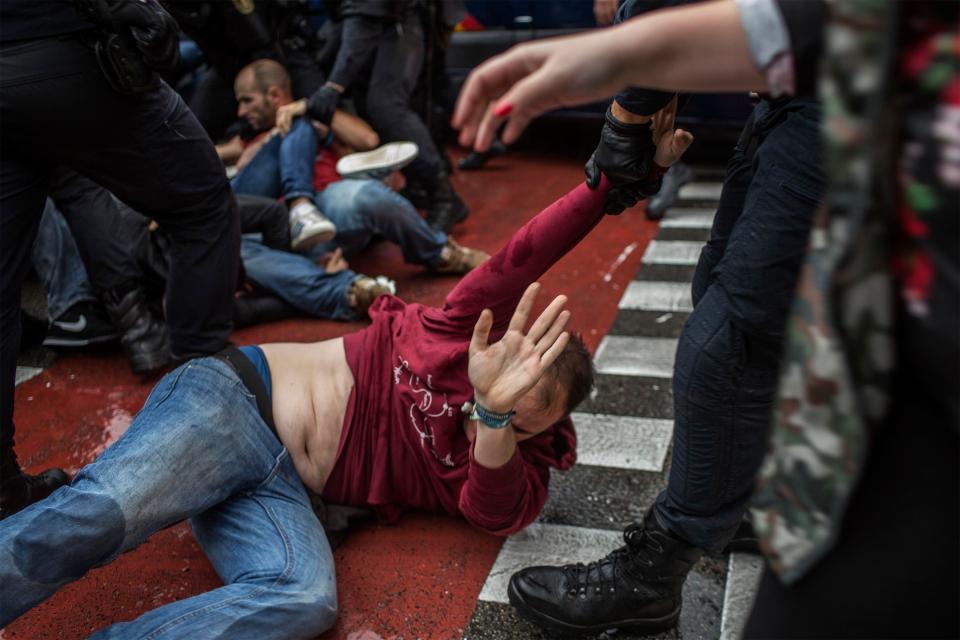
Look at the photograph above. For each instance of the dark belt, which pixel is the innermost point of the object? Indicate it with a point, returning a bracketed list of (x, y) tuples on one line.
[(248, 375)]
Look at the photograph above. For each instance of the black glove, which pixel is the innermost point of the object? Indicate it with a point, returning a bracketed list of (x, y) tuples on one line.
[(322, 104), (625, 156), (154, 30)]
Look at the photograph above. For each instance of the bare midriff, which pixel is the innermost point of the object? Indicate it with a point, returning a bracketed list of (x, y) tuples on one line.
[(311, 387)]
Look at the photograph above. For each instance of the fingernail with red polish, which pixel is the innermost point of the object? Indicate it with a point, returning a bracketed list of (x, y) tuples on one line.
[(503, 109)]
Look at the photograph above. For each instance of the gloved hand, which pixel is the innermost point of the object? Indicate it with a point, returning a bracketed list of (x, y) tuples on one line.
[(154, 30), (322, 104), (625, 156)]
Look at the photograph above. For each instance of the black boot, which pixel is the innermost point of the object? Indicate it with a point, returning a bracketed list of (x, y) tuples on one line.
[(18, 489), (678, 175), (635, 588), (416, 193), (144, 336), (446, 208)]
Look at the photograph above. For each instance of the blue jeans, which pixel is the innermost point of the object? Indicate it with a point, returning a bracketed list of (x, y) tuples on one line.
[(729, 352), (197, 451), (365, 209), (283, 166), (57, 261), (298, 280)]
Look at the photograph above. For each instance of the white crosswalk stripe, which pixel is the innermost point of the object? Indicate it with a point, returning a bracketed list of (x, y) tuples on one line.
[(657, 296), (26, 373), (700, 191), (629, 356), (689, 218), (681, 252), (622, 442), (545, 544), (743, 577)]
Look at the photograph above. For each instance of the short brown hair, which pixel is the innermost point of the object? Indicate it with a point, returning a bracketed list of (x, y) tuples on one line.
[(573, 370), (268, 73)]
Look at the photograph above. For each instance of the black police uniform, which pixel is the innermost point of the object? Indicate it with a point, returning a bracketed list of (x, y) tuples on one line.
[(57, 108)]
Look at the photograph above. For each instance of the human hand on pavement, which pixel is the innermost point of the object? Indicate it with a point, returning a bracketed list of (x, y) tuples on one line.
[(502, 372), (286, 113)]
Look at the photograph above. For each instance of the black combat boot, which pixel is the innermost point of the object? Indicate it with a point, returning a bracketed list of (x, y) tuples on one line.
[(446, 208), (635, 588), (416, 192), (144, 336), (18, 489)]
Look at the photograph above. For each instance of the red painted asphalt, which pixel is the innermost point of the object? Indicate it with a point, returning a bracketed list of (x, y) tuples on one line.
[(418, 579)]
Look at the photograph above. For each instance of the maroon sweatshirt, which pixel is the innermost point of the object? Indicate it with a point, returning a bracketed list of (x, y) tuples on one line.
[(403, 444)]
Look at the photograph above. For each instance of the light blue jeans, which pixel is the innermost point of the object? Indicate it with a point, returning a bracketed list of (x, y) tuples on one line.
[(57, 261), (298, 280), (197, 451), (283, 167), (367, 209)]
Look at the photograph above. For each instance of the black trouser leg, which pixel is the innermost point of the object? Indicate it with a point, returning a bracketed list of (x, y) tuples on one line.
[(150, 151), (396, 68), (22, 192), (102, 227), (267, 217)]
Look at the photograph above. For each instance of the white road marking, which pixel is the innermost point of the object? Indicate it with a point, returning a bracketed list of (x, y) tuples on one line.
[(546, 544), (743, 578), (688, 218), (622, 442), (657, 296), (701, 191), (627, 356), (26, 373), (681, 252)]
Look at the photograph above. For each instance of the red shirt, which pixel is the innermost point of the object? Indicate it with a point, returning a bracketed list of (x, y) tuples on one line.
[(403, 444)]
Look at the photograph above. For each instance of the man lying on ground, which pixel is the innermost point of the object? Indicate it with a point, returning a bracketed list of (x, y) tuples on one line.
[(418, 411), (275, 165)]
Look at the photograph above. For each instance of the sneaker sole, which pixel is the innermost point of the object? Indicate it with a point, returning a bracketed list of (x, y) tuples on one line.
[(312, 241), (392, 156), (644, 626), (67, 341)]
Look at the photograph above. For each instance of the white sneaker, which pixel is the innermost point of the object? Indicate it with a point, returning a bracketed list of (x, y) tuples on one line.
[(378, 163), (309, 227)]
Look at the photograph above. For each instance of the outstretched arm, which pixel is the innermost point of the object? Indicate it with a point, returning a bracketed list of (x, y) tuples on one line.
[(499, 282), (664, 49)]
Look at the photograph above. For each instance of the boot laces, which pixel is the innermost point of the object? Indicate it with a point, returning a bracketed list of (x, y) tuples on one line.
[(627, 561)]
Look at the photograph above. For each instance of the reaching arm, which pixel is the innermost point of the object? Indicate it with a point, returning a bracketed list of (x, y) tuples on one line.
[(499, 282), (701, 47)]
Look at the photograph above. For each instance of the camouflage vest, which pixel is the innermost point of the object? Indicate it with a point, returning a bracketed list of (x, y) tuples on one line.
[(839, 352)]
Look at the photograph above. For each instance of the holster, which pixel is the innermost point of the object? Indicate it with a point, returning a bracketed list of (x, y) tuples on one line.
[(123, 65), (117, 53)]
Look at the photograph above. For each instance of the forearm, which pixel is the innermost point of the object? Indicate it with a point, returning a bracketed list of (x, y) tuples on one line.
[(360, 37), (493, 448), (230, 151), (353, 131), (697, 48), (499, 282), (505, 499)]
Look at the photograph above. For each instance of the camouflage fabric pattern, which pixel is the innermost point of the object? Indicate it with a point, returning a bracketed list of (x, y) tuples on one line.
[(839, 355)]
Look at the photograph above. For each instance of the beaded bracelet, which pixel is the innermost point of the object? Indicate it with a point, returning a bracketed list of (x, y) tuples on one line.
[(492, 419)]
